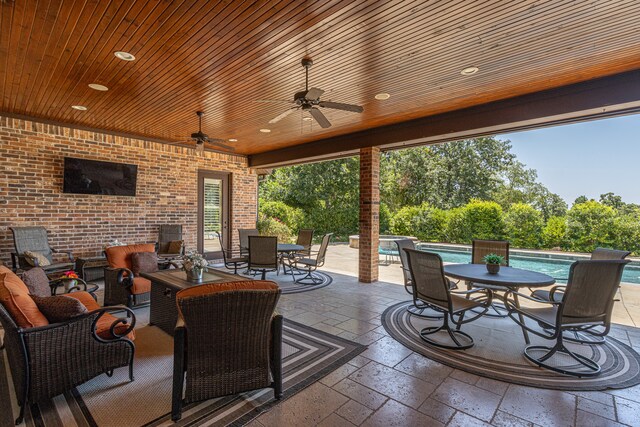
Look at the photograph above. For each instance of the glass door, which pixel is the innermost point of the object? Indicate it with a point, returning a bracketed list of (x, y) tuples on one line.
[(213, 215)]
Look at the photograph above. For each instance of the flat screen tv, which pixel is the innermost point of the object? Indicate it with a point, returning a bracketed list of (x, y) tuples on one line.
[(82, 176)]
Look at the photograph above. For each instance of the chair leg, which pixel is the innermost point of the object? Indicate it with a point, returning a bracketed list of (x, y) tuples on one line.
[(178, 374), (559, 347), (453, 334), (276, 362), (264, 274)]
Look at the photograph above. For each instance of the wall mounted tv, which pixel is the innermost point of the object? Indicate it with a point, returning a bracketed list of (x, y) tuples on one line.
[(82, 176)]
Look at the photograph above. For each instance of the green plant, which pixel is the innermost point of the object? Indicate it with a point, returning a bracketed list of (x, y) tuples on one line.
[(493, 259), (523, 226), (273, 227), (554, 233), (591, 224), (292, 217), (478, 219)]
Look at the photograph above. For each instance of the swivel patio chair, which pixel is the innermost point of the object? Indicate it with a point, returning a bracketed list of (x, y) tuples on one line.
[(556, 294), (305, 239), (32, 250), (310, 264), (228, 340), (170, 243), (243, 237), (232, 260), (40, 285), (46, 358), (263, 255), (588, 302), (479, 249), (431, 289)]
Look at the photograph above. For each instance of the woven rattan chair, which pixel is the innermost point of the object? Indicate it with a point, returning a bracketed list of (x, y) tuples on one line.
[(556, 294), (588, 302), (310, 264), (263, 254), (243, 237), (169, 233), (46, 361), (35, 239), (431, 289), (40, 285), (233, 260), (228, 340), (481, 248)]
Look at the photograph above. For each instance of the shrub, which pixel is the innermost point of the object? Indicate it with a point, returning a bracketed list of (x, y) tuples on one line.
[(523, 225), (269, 226), (405, 221), (628, 236), (591, 224), (385, 219), (424, 222), (292, 217), (478, 219), (554, 233)]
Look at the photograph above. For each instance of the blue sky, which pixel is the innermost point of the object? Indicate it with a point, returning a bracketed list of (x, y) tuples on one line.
[(587, 158)]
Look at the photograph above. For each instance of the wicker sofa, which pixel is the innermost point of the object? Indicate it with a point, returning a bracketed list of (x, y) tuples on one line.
[(47, 359)]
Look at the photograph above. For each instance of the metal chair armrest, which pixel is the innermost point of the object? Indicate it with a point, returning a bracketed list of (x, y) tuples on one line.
[(69, 253), (557, 288), (130, 320), (529, 297)]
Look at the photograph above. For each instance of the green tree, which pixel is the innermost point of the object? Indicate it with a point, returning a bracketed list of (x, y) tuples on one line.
[(580, 199), (478, 219), (591, 224), (291, 217), (523, 226), (424, 222), (611, 199), (554, 234)]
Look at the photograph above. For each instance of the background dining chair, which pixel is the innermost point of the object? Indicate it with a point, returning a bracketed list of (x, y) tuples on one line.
[(232, 259), (263, 254), (310, 263), (431, 289), (481, 248), (305, 238), (587, 303), (228, 340), (243, 237)]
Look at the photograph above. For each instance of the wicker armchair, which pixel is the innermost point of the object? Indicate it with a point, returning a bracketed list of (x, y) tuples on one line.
[(243, 236), (228, 340), (35, 239), (263, 254), (233, 260), (121, 285), (310, 264), (40, 285), (587, 303), (481, 248), (431, 289)]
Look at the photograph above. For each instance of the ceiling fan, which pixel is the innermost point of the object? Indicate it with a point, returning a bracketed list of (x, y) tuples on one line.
[(309, 100), (201, 138)]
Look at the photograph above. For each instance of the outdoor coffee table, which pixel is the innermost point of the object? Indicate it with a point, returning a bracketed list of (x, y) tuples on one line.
[(163, 311), (508, 278)]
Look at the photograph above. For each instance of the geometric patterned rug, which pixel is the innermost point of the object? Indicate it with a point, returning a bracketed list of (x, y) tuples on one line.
[(498, 353), (286, 282), (308, 355)]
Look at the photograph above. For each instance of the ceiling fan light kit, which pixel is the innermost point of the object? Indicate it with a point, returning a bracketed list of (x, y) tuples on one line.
[(309, 100)]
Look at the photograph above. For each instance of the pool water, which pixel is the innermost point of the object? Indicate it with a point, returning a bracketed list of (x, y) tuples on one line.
[(556, 268)]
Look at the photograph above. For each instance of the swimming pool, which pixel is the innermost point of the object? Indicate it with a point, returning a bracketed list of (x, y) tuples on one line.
[(557, 268)]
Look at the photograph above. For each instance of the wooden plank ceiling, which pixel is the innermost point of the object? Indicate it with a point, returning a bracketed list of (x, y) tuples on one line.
[(222, 56)]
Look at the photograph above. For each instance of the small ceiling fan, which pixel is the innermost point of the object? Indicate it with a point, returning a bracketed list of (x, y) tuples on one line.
[(309, 100), (201, 138)]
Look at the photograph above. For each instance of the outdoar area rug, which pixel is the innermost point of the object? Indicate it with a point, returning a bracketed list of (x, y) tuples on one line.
[(308, 355)]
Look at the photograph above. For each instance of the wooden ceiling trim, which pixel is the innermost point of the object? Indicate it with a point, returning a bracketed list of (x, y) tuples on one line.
[(604, 95), (184, 92)]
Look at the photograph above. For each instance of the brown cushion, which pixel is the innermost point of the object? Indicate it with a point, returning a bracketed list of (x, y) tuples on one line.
[(120, 256), (37, 282), (144, 262), (14, 296), (59, 308), (32, 256), (141, 285), (175, 247)]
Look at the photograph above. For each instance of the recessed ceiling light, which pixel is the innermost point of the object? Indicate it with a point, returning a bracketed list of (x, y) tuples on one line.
[(233, 140), (125, 56), (96, 86), (382, 96), (79, 107), (265, 130), (469, 71), (307, 119)]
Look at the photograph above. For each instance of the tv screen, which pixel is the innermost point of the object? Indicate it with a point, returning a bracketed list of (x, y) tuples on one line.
[(83, 176)]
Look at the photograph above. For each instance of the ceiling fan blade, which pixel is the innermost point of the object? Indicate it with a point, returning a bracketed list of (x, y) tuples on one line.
[(279, 101), (220, 143), (186, 141), (314, 93), (341, 106), (320, 118), (283, 115)]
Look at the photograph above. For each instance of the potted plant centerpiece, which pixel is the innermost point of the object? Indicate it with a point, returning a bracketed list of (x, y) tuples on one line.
[(68, 279), (493, 262), (194, 264)]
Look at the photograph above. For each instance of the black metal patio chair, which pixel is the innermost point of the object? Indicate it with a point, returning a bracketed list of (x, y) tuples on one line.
[(481, 248), (232, 259), (310, 264), (587, 303), (431, 289), (263, 254), (32, 249), (243, 237)]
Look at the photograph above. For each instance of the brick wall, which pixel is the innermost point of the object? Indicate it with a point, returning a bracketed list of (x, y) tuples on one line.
[(31, 167), (369, 222)]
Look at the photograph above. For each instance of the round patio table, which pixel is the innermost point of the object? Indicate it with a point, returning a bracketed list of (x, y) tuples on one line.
[(286, 249), (508, 278)]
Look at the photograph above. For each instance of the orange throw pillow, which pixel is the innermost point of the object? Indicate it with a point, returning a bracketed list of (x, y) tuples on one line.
[(15, 298)]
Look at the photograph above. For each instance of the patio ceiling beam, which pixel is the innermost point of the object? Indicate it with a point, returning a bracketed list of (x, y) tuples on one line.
[(613, 95)]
